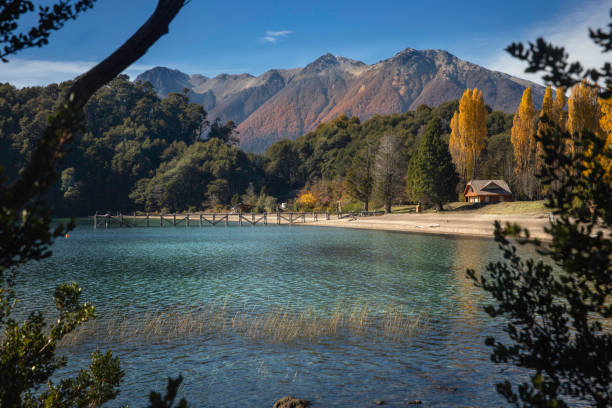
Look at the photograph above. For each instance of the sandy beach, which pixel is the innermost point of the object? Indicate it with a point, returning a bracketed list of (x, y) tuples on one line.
[(443, 223)]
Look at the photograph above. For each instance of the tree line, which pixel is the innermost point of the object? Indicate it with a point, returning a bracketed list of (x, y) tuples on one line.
[(139, 152)]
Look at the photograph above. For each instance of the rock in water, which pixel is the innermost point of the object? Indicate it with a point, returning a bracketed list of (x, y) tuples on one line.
[(291, 402)]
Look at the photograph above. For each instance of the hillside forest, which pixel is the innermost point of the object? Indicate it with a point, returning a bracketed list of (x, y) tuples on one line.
[(139, 152)]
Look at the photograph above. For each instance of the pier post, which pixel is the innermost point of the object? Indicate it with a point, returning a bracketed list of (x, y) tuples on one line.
[(252, 218), (291, 218), (265, 218), (174, 220), (107, 220), (95, 220), (277, 217), (147, 219), (201, 225), (161, 220), (187, 220), (226, 220), (120, 220)]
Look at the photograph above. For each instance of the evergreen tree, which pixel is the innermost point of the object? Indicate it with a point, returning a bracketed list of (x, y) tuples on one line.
[(431, 173)]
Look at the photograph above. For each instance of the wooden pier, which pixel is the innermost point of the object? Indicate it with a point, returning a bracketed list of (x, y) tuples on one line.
[(212, 219)]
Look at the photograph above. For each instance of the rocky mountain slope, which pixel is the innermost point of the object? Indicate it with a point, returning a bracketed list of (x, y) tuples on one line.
[(288, 103)]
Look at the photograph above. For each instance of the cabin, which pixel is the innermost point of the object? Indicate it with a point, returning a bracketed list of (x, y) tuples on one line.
[(487, 191)]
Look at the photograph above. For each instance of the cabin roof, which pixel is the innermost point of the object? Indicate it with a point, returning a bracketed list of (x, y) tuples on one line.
[(488, 187)]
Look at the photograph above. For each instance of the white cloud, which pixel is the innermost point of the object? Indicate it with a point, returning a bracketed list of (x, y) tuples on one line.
[(570, 31), (273, 36), (23, 72)]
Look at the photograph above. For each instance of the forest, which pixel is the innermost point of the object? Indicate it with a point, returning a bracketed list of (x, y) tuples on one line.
[(138, 152)]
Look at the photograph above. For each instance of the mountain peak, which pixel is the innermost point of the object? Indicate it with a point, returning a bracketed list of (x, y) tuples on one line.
[(407, 51), (324, 62), (166, 80)]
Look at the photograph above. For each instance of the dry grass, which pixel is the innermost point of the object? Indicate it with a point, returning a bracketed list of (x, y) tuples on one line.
[(513, 207), (277, 325)]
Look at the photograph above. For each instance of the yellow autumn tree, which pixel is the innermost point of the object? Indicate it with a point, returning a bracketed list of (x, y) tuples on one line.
[(605, 123), (468, 132), (306, 200), (583, 112), (524, 144), (457, 148), (605, 128), (605, 120), (558, 113), (548, 111)]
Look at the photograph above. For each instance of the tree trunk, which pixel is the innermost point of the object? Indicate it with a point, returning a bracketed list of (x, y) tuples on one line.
[(366, 202), (388, 207)]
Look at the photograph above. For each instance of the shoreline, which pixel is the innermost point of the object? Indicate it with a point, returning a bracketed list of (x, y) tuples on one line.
[(451, 224)]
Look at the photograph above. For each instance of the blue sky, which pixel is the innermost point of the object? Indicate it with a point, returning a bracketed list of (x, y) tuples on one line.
[(214, 37)]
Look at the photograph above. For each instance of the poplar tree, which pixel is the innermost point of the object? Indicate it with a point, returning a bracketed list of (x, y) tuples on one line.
[(548, 108), (558, 116), (431, 173), (605, 123), (524, 144), (467, 143), (457, 148), (583, 113)]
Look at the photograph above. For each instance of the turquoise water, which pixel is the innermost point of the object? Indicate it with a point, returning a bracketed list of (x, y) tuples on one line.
[(136, 271)]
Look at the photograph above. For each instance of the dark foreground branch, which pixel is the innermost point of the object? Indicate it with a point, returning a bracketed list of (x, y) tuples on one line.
[(41, 171)]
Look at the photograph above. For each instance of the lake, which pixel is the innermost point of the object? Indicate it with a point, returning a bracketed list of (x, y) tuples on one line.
[(340, 317)]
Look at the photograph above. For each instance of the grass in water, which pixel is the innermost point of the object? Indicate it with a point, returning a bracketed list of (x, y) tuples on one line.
[(279, 324)]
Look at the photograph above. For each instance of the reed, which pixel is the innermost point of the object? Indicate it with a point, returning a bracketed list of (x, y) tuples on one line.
[(279, 324)]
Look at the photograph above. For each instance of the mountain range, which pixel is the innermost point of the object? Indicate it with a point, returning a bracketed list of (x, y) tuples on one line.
[(287, 103)]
